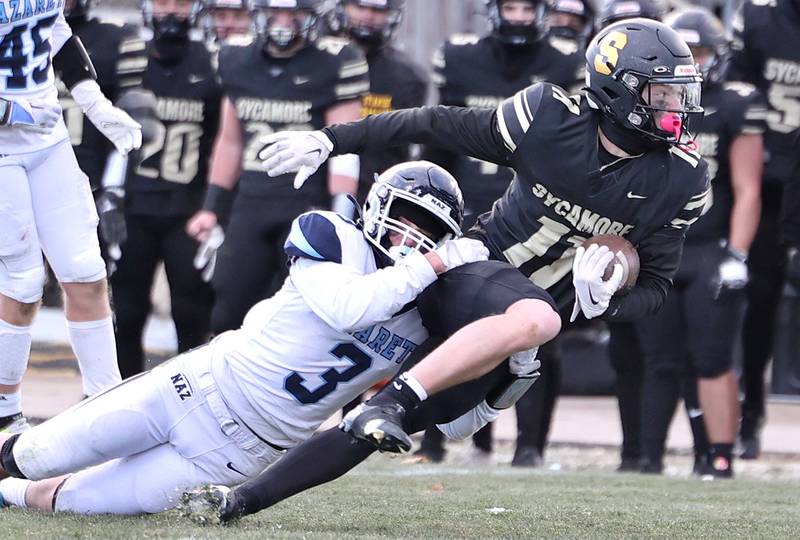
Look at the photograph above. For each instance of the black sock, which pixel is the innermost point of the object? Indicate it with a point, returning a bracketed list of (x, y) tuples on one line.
[(721, 455), (397, 391), (323, 458)]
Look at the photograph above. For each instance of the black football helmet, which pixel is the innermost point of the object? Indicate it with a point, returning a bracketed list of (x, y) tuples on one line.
[(212, 31), (424, 194), (641, 75), (515, 34), (699, 28), (618, 10), (582, 9), (285, 38), (170, 27), (369, 36), (77, 9)]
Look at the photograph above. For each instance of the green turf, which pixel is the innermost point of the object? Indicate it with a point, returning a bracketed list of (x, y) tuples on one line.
[(384, 499)]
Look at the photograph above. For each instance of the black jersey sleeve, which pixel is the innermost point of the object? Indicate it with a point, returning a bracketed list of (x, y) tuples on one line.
[(131, 63), (660, 256), (461, 130), (749, 115)]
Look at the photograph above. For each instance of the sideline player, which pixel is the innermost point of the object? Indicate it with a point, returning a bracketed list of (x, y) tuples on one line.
[(766, 53), (166, 186), (286, 78), (395, 81), (609, 174), (701, 318), (344, 319), (46, 202), (222, 20)]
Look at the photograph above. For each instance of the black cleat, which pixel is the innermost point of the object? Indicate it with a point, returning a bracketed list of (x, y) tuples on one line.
[(750, 438), (701, 466), (651, 466), (629, 464), (382, 426), (527, 456)]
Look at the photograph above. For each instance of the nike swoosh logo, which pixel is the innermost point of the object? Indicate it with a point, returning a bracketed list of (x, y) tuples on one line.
[(632, 195), (194, 79), (397, 385), (591, 298), (234, 469), (300, 80)]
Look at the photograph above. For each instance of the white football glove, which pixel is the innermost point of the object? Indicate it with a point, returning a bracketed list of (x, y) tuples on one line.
[(592, 294), (206, 258), (117, 126), (732, 274), (461, 251), (290, 151), (35, 116)]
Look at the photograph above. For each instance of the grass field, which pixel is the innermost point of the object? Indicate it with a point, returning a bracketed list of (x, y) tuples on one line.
[(386, 499)]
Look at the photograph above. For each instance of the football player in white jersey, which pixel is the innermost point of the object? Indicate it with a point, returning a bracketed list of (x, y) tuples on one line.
[(344, 319), (45, 202)]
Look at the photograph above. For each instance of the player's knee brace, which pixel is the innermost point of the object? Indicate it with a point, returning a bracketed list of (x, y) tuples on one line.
[(7, 457), (15, 344), (86, 266)]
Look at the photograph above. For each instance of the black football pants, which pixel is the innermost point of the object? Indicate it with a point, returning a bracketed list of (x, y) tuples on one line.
[(152, 239)]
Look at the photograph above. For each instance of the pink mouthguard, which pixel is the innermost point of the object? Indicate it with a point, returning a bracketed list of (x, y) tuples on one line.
[(673, 124)]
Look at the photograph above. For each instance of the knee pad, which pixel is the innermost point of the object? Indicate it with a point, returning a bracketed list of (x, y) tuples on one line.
[(86, 266), (15, 342)]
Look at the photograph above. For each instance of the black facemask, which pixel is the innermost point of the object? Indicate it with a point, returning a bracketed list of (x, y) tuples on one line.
[(566, 32), (628, 140), (369, 38), (171, 37)]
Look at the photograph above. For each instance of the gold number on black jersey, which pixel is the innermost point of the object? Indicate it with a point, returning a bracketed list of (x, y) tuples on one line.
[(179, 145)]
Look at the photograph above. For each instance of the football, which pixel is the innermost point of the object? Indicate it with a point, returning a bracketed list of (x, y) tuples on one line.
[(626, 256)]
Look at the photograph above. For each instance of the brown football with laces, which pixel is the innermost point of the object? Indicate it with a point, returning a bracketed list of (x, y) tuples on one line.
[(626, 255)]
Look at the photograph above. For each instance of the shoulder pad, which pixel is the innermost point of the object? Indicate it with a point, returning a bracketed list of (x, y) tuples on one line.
[(331, 44), (742, 88), (567, 47), (463, 39), (320, 236), (515, 114), (689, 156)]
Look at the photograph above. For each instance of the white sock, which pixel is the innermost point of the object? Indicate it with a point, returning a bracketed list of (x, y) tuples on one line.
[(15, 347), (13, 491), (415, 385), (10, 404), (94, 346)]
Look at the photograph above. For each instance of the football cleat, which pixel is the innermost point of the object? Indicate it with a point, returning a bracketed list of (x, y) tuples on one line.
[(208, 505), (381, 426), (527, 456), (15, 424)]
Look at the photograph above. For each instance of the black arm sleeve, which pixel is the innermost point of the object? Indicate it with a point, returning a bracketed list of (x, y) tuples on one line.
[(323, 458), (72, 63), (660, 255), (461, 130)]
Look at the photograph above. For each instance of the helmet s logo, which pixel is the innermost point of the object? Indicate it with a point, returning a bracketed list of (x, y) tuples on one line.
[(609, 52)]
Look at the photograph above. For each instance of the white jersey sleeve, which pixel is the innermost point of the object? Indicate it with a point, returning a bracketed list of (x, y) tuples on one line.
[(61, 33), (328, 270)]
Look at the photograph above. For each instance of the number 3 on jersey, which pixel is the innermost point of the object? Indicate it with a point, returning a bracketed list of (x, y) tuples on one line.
[(295, 383)]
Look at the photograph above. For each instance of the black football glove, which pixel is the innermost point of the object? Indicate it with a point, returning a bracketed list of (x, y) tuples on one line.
[(113, 230)]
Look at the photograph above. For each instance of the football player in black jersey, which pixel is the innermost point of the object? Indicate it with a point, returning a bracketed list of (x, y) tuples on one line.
[(570, 19), (613, 160), (766, 53), (165, 187), (287, 78), (701, 318), (224, 19), (396, 82), (472, 71)]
